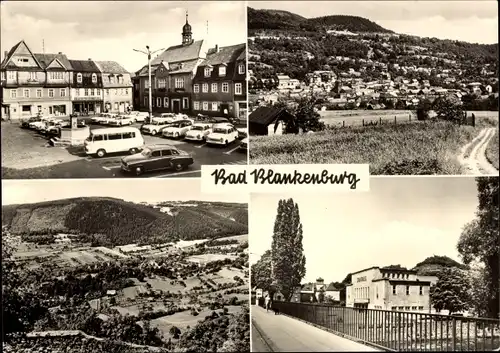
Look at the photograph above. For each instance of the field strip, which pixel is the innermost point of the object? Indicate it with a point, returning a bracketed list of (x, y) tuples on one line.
[(475, 162)]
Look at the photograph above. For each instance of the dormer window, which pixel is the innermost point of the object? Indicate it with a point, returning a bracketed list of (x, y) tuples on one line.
[(207, 71), (241, 69), (94, 78), (222, 70), (79, 78)]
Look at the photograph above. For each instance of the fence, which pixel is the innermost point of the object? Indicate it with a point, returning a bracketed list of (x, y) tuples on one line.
[(400, 331)]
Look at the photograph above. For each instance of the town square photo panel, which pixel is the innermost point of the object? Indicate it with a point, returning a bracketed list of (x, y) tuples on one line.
[(84, 97)]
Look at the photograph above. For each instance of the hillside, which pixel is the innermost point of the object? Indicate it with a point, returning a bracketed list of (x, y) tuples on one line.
[(108, 221), (284, 20), (434, 264)]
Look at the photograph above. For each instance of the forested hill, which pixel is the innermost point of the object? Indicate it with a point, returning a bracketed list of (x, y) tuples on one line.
[(434, 264), (117, 222), (284, 20)]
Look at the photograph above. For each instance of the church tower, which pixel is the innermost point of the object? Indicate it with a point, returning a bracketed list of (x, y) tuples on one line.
[(187, 35)]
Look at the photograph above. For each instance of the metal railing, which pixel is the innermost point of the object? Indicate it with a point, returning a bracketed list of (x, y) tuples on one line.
[(400, 331)]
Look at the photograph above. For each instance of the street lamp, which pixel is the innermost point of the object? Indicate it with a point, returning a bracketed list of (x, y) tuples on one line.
[(149, 53)]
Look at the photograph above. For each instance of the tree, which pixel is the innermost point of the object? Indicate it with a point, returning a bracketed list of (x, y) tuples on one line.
[(451, 292), (261, 272), (305, 117), (424, 106), (175, 332), (288, 259), (447, 109), (480, 239)]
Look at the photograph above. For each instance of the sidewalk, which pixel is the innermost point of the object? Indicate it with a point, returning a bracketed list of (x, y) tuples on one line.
[(283, 333)]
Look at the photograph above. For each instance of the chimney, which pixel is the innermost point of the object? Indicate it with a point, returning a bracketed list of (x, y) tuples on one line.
[(90, 59), (216, 48), (60, 53), (5, 54)]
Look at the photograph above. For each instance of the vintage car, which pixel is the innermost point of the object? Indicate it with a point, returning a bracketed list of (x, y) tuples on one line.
[(37, 125), (49, 124), (164, 118), (26, 122), (198, 132), (139, 117), (154, 128), (101, 118), (156, 157), (121, 120), (177, 129), (244, 144), (222, 134)]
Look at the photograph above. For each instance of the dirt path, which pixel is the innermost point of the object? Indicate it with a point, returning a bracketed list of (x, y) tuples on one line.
[(475, 162)]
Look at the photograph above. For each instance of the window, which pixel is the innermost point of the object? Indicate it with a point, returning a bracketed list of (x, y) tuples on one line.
[(161, 83), (165, 102), (92, 92), (225, 87), (196, 88), (420, 290), (146, 101), (196, 105), (401, 308), (2, 75), (120, 79), (420, 308), (56, 75), (26, 109), (156, 154), (241, 69), (116, 106), (11, 75), (222, 70), (394, 290), (22, 60), (77, 92), (205, 88), (407, 290), (158, 102), (107, 92), (112, 79), (39, 93), (62, 92), (238, 88), (32, 76), (214, 87), (98, 138), (207, 72), (13, 93), (185, 103), (26, 93), (86, 91), (126, 91), (166, 152), (94, 78), (98, 91), (413, 308), (175, 152), (205, 105), (115, 136), (51, 93), (179, 82), (214, 106), (128, 135), (79, 78), (407, 308)]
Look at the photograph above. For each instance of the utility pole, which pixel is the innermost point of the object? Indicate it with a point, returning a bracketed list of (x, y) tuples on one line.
[(149, 53), (43, 46)]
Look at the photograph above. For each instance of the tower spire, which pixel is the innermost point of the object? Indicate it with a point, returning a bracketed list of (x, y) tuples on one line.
[(186, 16)]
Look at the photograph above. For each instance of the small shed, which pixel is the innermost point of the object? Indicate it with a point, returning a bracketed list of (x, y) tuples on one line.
[(263, 121)]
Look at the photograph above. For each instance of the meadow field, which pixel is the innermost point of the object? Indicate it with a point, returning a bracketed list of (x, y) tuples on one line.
[(419, 148), (492, 150), (339, 118)]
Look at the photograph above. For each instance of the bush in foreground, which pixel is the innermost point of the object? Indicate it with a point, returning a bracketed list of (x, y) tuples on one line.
[(429, 147), (492, 150)]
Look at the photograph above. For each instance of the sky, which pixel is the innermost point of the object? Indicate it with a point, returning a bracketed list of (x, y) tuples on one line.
[(401, 220), (150, 190), (110, 30), (474, 21)]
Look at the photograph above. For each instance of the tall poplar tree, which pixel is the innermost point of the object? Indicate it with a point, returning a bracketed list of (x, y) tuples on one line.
[(288, 259)]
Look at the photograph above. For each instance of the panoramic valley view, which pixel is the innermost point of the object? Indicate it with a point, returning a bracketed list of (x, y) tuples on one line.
[(100, 274), (366, 94)]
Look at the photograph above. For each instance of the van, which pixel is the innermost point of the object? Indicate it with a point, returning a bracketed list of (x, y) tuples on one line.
[(111, 140)]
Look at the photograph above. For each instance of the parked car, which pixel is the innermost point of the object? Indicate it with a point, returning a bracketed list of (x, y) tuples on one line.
[(244, 144), (154, 128), (199, 132), (242, 133), (50, 124), (37, 125), (101, 119), (139, 116), (111, 140), (222, 134), (121, 120), (164, 118), (156, 157), (26, 122), (177, 129)]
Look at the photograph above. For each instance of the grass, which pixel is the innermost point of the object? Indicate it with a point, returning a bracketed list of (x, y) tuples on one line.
[(420, 148), (492, 150)]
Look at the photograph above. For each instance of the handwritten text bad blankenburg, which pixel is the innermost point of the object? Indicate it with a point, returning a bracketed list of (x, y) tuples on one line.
[(269, 176)]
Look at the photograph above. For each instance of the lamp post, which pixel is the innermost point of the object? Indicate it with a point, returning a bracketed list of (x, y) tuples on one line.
[(149, 53)]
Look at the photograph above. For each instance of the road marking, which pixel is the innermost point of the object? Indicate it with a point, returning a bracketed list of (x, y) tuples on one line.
[(231, 151), (200, 146), (242, 162), (112, 167), (91, 159)]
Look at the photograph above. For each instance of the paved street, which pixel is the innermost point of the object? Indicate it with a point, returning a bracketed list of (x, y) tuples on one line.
[(27, 155), (282, 333)]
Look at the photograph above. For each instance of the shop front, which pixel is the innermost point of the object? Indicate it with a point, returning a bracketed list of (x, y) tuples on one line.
[(88, 107)]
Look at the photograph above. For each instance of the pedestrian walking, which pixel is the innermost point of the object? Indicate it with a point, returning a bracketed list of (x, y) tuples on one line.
[(268, 302)]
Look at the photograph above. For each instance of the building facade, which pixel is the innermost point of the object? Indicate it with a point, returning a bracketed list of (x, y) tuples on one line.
[(34, 83), (117, 87), (87, 89), (220, 86), (172, 73), (390, 289)]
